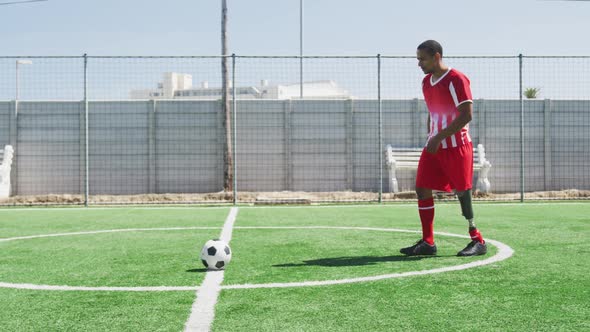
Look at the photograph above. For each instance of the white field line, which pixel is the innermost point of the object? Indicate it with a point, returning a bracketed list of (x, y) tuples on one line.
[(203, 309), (504, 252), (335, 206), (97, 289), (104, 231)]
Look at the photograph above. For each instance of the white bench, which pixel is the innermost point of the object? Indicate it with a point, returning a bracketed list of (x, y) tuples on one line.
[(6, 155), (407, 158)]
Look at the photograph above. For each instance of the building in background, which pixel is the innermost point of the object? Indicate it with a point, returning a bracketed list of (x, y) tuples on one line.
[(180, 86), (171, 83)]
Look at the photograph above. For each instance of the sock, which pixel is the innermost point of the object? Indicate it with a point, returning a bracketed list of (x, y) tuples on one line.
[(426, 211), (476, 235)]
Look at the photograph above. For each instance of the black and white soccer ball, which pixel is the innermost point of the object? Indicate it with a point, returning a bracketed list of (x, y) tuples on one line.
[(215, 254)]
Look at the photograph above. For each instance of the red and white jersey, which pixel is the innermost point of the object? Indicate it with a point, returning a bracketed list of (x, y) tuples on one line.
[(443, 97)]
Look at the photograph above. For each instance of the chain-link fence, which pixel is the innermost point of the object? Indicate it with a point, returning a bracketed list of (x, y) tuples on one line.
[(91, 130)]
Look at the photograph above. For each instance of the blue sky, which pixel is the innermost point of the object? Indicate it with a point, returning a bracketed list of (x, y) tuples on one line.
[(271, 27)]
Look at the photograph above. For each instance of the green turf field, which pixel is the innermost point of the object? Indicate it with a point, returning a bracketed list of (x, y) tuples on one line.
[(544, 286)]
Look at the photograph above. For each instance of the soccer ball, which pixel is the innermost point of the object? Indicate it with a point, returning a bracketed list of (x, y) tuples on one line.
[(215, 254)]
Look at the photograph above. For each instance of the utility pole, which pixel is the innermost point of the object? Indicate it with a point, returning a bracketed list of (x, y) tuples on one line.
[(228, 164)]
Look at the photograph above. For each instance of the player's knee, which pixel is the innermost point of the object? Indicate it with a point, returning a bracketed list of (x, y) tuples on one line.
[(423, 193)]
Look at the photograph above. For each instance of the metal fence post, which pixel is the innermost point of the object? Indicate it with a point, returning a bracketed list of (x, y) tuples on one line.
[(86, 153), (234, 127), (521, 128), (379, 104)]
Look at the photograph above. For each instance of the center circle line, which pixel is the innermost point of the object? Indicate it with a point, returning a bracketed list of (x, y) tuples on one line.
[(504, 252)]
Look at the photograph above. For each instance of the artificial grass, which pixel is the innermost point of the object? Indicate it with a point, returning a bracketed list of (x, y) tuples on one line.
[(543, 287)]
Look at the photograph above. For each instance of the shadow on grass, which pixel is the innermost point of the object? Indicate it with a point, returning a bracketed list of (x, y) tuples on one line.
[(203, 270), (357, 261)]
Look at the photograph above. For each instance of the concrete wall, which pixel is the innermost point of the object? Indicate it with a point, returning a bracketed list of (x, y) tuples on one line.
[(47, 149), (322, 145), (5, 109)]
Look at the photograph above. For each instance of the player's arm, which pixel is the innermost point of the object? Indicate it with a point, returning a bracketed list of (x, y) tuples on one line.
[(465, 115)]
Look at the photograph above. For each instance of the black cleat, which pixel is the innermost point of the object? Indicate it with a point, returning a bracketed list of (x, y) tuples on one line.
[(419, 249), (474, 248)]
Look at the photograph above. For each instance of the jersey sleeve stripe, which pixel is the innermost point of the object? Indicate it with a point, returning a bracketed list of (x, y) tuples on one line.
[(454, 94), (465, 101)]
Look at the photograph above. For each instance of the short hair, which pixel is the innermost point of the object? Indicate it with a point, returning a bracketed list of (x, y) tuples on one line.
[(431, 47)]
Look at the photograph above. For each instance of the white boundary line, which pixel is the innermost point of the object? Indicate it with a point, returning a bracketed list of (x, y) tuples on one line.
[(104, 231), (203, 309), (321, 205), (99, 288), (504, 252)]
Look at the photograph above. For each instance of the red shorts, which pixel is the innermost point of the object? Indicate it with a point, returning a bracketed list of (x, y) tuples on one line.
[(447, 169)]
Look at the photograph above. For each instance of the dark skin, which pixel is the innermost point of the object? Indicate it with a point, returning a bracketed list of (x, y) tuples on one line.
[(433, 64)]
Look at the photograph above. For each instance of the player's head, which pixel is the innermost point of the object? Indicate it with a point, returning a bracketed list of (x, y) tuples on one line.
[(429, 55)]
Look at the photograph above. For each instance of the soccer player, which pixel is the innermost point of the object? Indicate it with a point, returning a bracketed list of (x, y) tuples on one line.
[(446, 162)]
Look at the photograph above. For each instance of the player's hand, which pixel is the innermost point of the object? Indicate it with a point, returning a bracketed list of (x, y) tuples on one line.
[(433, 144)]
